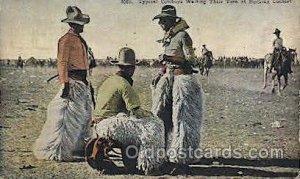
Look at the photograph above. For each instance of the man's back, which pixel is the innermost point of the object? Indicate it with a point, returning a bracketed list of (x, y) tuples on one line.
[(115, 95)]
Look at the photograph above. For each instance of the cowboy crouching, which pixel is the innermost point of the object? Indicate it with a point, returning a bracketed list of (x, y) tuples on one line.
[(121, 122)]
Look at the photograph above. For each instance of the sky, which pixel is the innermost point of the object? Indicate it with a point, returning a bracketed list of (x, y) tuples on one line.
[(33, 27)]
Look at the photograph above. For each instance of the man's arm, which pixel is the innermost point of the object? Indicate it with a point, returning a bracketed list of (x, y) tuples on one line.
[(63, 56), (130, 97), (187, 45), (133, 104)]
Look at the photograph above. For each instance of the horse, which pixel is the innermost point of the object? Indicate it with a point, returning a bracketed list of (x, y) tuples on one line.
[(205, 63), (281, 66), (267, 66), (20, 63)]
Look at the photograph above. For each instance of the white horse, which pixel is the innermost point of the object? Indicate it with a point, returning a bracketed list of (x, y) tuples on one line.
[(267, 66)]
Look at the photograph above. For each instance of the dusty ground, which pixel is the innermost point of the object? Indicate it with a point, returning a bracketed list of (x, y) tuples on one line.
[(238, 116)]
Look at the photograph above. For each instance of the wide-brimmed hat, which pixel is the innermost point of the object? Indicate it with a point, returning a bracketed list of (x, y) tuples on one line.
[(126, 57), (74, 15), (277, 31), (167, 11)]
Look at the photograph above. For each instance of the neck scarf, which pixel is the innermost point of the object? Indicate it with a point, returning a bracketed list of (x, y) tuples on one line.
[(125, 76), (180, 25)]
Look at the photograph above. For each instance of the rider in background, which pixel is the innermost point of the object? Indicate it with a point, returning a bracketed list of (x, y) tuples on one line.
[(207, 56), (278, 50), (204, 50)]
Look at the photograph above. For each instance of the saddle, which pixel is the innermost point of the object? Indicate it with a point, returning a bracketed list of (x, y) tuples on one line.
[(281, 61), (96, 154), (97, 157)]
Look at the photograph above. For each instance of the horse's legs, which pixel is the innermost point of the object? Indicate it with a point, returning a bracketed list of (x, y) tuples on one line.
[(207, 70), (279, 85), (265, 76), (273, 83), (201, 69), (285, 80)]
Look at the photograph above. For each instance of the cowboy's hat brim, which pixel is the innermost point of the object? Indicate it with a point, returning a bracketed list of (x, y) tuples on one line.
[(162, 15), (115, 62), (84, 19)]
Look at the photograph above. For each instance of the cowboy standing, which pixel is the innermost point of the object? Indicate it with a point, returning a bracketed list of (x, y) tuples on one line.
[(69, 113), (177, 95), (119, 116)]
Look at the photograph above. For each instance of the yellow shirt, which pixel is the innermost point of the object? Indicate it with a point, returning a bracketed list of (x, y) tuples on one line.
[(115, 95)]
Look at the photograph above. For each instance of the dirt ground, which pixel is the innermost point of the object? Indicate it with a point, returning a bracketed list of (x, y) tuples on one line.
[(239, 116)]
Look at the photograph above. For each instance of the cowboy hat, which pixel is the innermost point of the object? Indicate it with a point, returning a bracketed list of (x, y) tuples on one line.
[(167, 11), (74, 15), (277, 31), (126, 57)]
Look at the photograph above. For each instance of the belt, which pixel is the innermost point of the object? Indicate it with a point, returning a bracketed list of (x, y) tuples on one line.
[(184, 69), (180, 71), (78, 75)]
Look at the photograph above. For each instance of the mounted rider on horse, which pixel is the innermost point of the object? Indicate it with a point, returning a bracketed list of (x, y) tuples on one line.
[(280, 60), (206, 60), (280, 56)]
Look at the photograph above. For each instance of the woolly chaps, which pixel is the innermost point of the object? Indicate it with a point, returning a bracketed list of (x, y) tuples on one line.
[(147, 134), (67, 125), (178, 101)]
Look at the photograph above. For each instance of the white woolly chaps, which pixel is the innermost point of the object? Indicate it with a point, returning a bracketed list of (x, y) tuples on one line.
[(147, 134), (67, 125), (178, 101)]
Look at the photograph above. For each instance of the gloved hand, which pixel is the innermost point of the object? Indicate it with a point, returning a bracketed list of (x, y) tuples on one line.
[(66, 91), (156, 79), (162, 57)]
